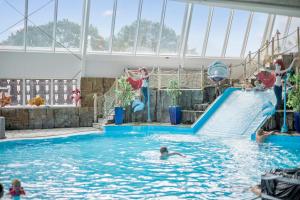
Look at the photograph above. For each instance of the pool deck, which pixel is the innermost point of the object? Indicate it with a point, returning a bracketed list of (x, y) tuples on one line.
[(41, 133)]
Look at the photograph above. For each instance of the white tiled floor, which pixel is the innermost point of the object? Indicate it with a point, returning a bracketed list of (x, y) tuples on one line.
[(37, 133)]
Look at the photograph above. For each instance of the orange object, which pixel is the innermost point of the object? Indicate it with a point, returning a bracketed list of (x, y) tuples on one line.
[(267, 79), (5, 100)]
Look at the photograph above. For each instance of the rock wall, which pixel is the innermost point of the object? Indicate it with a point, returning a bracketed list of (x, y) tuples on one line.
[(46, 117), (160, 102), (89, 86)]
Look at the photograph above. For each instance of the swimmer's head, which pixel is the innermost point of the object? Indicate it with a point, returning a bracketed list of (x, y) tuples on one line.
[(16, 183), (163, 150)]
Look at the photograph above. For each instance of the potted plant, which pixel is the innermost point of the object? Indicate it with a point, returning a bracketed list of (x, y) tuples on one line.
[(174, 92), (294, 100), (124, 96), (100, 118)]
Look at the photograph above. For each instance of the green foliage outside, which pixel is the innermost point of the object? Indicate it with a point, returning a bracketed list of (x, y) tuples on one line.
[(294, 95), (69, 33), (173, 91), (124, 93)]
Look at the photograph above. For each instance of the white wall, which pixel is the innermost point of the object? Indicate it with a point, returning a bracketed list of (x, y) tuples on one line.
[(65, 65)]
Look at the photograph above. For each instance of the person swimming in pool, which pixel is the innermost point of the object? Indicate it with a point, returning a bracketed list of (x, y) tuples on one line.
[(164, 153)]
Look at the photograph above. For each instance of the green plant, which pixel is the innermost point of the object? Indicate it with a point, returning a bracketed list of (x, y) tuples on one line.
[(294, 95), (100, 115), (173, 91), (124, 93)]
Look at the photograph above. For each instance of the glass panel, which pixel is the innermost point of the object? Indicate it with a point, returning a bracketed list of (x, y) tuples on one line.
[(237, 33), (12, 24), (171, 34), (279, 25), (149, 26), (63, 91), (100, 25), (68, 28), (125, 25), (217, 32), (197, 29), (40, 24), (14, 88), (38, 87), (292, 39), (256, 34)]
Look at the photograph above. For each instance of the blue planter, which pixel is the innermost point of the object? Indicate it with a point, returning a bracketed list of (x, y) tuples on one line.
[(119, 113), (297, 121), (175, 114)]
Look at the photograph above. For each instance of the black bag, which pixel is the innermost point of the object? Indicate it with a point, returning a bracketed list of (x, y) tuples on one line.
[(281, 184)]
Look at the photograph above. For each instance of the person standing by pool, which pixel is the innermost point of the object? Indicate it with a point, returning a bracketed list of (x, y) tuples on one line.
[(164, 153), (279, 73)]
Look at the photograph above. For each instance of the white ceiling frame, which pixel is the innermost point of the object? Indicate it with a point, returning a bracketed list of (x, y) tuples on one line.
[(266, 31), (185, 29), (162, 19), (287, 29), (112, 30), (54, 25), (247, 33), (84, 34), (25, 25), (228, 29), (138, 25), (205, 41)]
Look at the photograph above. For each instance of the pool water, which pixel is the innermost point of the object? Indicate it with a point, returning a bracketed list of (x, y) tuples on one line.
[(127, 166)]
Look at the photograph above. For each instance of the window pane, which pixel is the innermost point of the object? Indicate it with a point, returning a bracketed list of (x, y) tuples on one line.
[(40, 24), (69, 24), (149, 26), (279, 25), (14, 36), (171, 33), (100, 24), (217, 32), (256, 34), (197, 29), (125, 25), (292, 39), (237, 33)]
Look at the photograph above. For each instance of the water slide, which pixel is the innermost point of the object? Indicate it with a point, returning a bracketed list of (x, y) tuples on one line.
[(236, 111)]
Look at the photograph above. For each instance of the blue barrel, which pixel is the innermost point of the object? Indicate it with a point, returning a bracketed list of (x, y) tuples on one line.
[(119, 113), (175, 114)]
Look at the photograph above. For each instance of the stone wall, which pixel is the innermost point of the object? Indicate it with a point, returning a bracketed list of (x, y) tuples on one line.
[(46, 117), (89, 86), (160, 102)]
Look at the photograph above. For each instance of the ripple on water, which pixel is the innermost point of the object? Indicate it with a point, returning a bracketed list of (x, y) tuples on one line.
[(130, 167)]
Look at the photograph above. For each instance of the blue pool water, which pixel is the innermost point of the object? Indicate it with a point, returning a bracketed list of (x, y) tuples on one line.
[(127, 166)]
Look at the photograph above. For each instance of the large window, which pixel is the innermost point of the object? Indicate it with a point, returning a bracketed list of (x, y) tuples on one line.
[(68, 28), (197, 29), (237, 33), (256, 34), (40, 24), (217, 32), (125, 25), (101, 12), (292, 39), (12, 24), (149, 26), (171, 33)]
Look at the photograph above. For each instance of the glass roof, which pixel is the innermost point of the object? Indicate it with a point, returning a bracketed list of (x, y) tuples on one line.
[(137, 27)]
